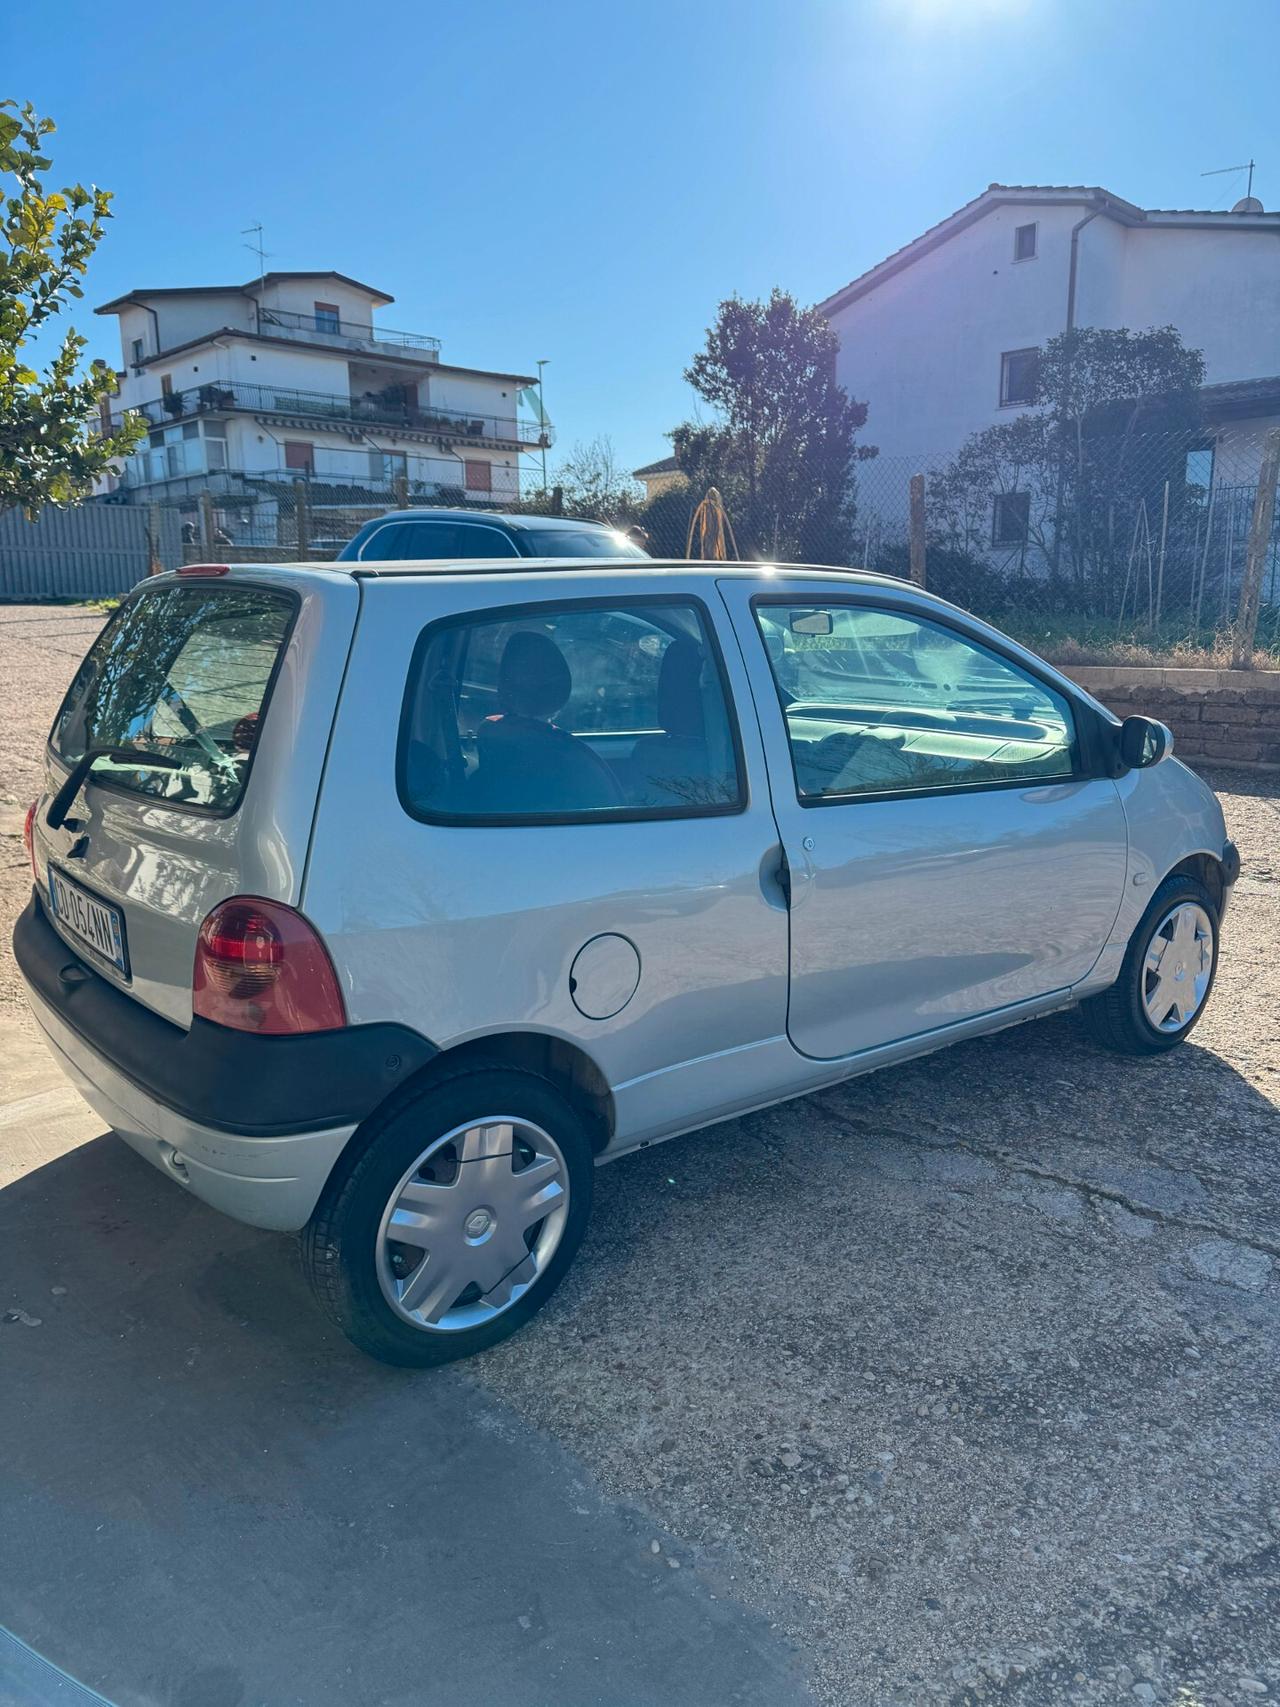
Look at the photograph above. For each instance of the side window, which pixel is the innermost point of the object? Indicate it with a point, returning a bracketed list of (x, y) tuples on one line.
[(876, 702), (383, 544), (403, 541), (481, 542), (571, 713)]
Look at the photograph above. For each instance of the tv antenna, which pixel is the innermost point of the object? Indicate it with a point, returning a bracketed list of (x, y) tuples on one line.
[(1218, 172), (256, 248)]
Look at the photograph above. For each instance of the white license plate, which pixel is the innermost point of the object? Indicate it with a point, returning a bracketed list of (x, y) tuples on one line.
[(95, 923)]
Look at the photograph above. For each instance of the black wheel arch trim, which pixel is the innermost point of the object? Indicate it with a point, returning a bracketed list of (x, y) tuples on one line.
[(253, 1087)]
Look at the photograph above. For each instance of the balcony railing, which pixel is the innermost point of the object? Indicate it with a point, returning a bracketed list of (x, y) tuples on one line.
[(330, 327), (342, 478), (219, 397)]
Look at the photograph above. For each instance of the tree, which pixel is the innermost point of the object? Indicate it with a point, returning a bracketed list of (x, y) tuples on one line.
[(594, 486), (1101, 378), (1116, 413), (781, 450), (51, 449)]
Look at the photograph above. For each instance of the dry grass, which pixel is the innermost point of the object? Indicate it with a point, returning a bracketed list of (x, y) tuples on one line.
[(1067, 640)]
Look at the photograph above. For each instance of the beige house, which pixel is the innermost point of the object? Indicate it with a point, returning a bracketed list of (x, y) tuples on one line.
[(659, 476)]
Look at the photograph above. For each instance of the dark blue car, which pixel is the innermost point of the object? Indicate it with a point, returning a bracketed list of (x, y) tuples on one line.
[(430, 533)]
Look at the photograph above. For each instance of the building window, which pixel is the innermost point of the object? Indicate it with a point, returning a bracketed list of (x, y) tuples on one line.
[(479, 476), (1199, 473), (1024, 243), (137, 352), (386, 466), (1011, 518), (327, 317), (1019, 370), (166, 385), (299, 455)]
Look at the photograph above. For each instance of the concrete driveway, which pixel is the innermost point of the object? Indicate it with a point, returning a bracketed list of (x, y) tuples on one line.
[(958, 1383)]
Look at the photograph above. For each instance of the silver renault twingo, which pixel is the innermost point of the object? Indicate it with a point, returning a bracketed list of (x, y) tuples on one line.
[(382, 901)]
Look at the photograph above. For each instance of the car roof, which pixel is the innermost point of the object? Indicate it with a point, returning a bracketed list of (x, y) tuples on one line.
[(481, 518), (522, 568)]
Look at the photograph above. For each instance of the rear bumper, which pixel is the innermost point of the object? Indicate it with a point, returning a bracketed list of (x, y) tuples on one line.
[(252, 1125)]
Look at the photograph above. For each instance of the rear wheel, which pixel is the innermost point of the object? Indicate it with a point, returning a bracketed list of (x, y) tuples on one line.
[(1167, 974), (454, 1219)]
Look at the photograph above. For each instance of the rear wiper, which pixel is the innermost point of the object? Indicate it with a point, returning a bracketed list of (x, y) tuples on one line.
[(64, 799)]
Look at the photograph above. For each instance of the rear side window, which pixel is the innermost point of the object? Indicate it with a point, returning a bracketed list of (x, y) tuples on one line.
[(401, 542), (566, 713), (183, 671)]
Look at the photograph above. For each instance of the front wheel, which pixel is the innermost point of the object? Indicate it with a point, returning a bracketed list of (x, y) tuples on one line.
[(453, 1219), (1167, 974)]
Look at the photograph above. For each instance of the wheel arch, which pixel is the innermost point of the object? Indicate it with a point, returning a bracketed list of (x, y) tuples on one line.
[(1206, 868), (563, 1063)]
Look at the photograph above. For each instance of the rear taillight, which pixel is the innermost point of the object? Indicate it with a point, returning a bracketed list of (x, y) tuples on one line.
[(29, 837), (261, 967)]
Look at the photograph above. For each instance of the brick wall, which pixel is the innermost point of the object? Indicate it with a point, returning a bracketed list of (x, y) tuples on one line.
[(1229, 716)]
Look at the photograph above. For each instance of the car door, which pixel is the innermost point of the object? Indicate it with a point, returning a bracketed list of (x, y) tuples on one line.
[(950, 853)]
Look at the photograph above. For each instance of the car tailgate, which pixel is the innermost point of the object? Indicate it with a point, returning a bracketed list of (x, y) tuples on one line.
[(233, 681)]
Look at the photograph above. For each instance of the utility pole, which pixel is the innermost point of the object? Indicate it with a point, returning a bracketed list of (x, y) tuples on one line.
[(542, 410)]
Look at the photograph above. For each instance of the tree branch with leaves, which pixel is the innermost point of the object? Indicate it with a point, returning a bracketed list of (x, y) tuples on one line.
[(782, 449), (51, 447)]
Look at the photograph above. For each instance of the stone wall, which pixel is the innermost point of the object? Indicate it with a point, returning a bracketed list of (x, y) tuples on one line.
[(1227, 716)]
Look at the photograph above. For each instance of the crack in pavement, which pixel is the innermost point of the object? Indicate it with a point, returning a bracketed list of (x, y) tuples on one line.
[(1107, 1194)]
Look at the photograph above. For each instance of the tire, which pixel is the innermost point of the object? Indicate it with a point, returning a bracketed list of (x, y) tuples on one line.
[(1119, 1018), (518, 1157)]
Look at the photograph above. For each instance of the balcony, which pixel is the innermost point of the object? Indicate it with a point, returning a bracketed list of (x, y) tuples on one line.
[(337, 334), (341, 479), (322, 408)]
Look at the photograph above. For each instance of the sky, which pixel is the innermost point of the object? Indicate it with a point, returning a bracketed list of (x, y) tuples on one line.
[(585, 180)]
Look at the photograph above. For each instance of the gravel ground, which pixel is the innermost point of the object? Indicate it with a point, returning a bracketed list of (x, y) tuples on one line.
[(966, 1372), (40, 646)]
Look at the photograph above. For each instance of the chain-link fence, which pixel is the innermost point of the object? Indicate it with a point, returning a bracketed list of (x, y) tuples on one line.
[(282, 513), (1100, 536), (1093, 539)]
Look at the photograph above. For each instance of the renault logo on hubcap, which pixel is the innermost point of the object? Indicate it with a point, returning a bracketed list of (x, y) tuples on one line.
[(478, 1223)]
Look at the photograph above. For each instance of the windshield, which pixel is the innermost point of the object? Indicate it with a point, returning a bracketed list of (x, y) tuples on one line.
[(182, 671), (584, 542)]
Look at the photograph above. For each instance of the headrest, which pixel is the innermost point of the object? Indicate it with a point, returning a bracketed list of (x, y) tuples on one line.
[(533, 677), (679, 701)]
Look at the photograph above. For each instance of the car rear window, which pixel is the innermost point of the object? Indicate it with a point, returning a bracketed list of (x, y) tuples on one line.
[(183, 671), (584, 542)]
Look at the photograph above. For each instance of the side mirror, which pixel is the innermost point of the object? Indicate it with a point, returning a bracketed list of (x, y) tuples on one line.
[(1143, 741)]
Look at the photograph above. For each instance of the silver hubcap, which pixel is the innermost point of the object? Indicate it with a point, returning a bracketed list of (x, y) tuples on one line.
[(473, 1223), (1175, 973)]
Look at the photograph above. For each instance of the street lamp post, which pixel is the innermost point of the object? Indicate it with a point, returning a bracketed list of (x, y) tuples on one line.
[(542, 410)]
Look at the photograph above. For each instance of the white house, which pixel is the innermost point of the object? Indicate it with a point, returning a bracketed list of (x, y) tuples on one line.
[(940, 338), (247, 388)]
